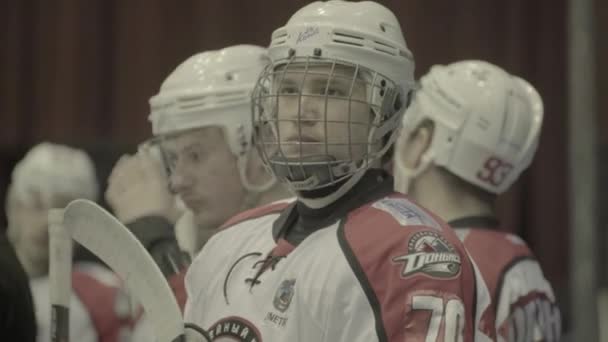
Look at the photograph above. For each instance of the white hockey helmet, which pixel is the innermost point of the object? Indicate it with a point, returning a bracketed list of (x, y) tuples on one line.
[(364, 36), (51, 169), (212, 88), (486, 124)]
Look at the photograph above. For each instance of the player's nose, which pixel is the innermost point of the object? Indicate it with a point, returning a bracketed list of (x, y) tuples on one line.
[(310, 111), (179, 182)]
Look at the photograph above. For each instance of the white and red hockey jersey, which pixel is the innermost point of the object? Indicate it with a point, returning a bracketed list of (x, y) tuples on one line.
[(387, 271), (99, 309), (523, 306)]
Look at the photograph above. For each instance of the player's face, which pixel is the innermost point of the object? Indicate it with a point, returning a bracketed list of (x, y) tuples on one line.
[(30, 219), (321, 112), (204, 173)]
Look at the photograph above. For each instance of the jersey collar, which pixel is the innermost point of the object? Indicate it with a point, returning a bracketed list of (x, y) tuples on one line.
[(298, 221), (489, 222)]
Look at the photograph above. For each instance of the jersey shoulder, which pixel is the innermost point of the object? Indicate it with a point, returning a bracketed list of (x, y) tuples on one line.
[(244, 233), (395, 210), (247, 226), (504, 248), (506, 264), (268, 209), (397, 230)]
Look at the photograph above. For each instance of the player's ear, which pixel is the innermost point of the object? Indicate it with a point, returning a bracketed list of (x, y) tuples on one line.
[(417, 144)]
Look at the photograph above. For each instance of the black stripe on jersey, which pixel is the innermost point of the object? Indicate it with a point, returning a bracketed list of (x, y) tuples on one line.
[(365, 285), (488, 222), (501, 278), (475, 293), (281, 225)]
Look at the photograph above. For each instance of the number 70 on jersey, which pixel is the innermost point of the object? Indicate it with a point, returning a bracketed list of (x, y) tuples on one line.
[(449, 312)]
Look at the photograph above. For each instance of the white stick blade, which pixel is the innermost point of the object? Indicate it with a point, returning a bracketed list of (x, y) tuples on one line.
[(112, 242)]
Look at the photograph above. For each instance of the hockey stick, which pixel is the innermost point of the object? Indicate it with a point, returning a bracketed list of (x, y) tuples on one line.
[(112, 242), (60, 276)]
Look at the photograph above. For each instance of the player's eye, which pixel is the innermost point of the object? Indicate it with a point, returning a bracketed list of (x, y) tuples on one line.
[(288, 90), (171, 160), (193, 157), (335, 91)]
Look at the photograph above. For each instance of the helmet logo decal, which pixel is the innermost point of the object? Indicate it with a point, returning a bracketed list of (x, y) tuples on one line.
[(309, 32)]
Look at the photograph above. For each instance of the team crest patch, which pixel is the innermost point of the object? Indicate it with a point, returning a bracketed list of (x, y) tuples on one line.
[(284, 294), (406, 213), (234, 329), (431, 254)]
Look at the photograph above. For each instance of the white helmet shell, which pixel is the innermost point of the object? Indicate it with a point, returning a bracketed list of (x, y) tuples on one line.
[(487, 123), (362, 33), (212, 88), (52, 169)]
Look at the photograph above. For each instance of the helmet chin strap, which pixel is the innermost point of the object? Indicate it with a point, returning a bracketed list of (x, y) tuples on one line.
[(321, 202), (404, 175), (247, 184), (304, 174)]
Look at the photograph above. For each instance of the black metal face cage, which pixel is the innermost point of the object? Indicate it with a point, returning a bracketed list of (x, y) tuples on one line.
[(382, 96)]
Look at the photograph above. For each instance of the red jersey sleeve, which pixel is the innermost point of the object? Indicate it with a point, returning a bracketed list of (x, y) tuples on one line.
[(414, 271)]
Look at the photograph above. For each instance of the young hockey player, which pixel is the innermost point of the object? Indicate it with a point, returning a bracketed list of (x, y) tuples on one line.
[(349, 259), (470, 132)]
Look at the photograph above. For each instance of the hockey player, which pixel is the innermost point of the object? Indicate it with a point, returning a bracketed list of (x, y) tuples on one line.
[(349, 259), (470, 132), (50, 176), (201, 120), (202, 124)]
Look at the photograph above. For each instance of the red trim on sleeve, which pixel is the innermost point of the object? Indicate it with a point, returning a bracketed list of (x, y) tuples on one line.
[(102, 301)]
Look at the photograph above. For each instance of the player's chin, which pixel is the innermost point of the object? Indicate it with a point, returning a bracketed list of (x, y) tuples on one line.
[(195, 204), (198, 208), (208, 222)]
